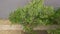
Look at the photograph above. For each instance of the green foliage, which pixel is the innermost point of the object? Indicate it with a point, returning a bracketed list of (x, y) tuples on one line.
[(32, 15), (56, 20), (57, 31), (57, 16)]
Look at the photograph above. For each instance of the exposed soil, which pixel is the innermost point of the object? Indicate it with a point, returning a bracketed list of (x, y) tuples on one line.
[(10, 32), (7, 22)]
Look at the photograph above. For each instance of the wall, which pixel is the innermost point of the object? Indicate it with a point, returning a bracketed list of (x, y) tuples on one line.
[(7, 6)]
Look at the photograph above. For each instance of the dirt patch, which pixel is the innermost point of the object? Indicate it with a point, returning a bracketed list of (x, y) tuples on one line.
[(4, 22), (7, 22), (10, 32)]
